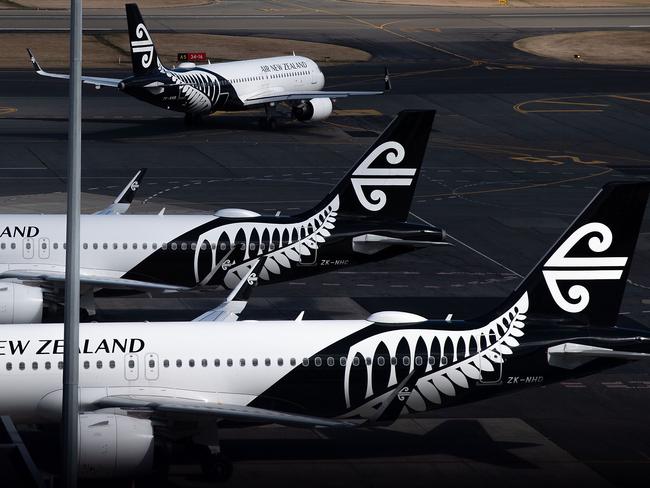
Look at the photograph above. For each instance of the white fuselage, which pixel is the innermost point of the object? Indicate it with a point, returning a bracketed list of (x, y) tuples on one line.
[(229, 363)]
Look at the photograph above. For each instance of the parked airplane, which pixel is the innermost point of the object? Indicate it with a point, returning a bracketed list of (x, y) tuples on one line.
[(146, 386), (234, 86), (364, 218)]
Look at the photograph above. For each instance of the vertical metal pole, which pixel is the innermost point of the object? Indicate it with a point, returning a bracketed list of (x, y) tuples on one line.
[(71, 325)]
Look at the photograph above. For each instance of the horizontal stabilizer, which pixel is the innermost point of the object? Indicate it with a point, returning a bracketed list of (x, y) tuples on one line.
[(571, 356)]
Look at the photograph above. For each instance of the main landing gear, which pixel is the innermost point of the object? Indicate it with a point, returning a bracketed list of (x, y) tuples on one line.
[(215, 466)]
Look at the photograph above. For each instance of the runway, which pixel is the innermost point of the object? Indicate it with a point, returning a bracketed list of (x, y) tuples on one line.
[(520, 145)]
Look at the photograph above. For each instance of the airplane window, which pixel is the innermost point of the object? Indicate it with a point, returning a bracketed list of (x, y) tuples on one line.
[(60, 365), (111, 364), (330, 361), (432, 360), (21, 366), (242, 362), (203, 246), (262, 246), (368, 361), (154, 246), (125, 245), (115, 245), (217, 363), (152, 363), (267, 362), (292, 361), (343, 361), (34, 365), (8, 366), (105, 245), (222, 246), (183, 246), (318, 361), (193, 246), (135, 245), (85, 246), (380, 361), (243, 246), (131, 364), (305, 361), (229, 362), (13, 245), (254, 361), (355, 361), (204, 362), (144, 245), (56, 245), (179, 363), (271, 246), (191, 363), (166, 363), (406, 360), (174, 246), (94, 246), (393, 361), (252, 246), (280, 361), (3, 245), (443, 361), (418, 360), (28, 245), (48, 365), (164, 246), (99, 365), (43, 246)]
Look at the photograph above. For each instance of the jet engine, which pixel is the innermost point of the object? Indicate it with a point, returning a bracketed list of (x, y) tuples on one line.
[(20, 304), (115, 446), (313, 110)]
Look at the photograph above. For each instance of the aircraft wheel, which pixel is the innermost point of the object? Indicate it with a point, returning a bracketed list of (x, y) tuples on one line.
[(216, 467)]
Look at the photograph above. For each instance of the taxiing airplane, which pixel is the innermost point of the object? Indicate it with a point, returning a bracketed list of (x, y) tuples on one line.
[(147, 386), (363, 219), (198, 90)]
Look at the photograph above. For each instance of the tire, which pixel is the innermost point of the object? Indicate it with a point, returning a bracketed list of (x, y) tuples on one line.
[(216, 467)]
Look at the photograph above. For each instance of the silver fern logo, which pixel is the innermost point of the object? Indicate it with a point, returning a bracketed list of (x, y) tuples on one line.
[(283, 245), (459, 359), (559, 267), (366, 176), (144, 45)]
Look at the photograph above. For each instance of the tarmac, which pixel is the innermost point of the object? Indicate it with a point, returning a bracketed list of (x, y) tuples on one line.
[(520, 145)]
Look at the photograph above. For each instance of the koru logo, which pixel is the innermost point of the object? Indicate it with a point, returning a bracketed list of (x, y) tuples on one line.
[(252, 279), (364, 175), (581, 269), (227, 264), (403, 394), (135, 185), (145, 45)]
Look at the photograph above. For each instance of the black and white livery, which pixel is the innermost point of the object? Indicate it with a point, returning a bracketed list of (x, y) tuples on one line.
[(198, 90), (364, 218), (144, 387)]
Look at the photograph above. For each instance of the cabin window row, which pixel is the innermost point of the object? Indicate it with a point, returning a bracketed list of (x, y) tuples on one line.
[(277, 75), (174, 246)]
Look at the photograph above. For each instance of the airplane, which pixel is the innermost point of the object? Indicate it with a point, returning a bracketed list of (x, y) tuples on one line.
[(363, 219), (199, 90), (147, 387)]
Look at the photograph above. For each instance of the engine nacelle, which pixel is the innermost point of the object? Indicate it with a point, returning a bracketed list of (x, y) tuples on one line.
[(20, 304), (313, 110), (115, 446)]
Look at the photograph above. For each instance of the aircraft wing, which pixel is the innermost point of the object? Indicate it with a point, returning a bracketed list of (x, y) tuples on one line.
[(236, 302), (90, 80), (50, 277), (270, 97), (220, 411), (125, 198)]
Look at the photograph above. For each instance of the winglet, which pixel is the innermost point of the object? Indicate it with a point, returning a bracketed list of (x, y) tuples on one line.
[(387, 84), (123, 201), (32, 58), (236, 302)]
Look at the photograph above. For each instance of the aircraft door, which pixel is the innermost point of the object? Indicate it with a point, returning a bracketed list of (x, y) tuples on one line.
[(28, 248), (492, 365), (43, 248), (309, 259), (151, 366), (131, 367)]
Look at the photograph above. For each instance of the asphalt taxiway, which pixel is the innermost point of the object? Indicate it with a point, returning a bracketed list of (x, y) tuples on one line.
[(520, 145)]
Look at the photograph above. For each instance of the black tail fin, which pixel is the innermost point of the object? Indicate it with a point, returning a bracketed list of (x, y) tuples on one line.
[(582, 278), (143, 52), (381, 185)]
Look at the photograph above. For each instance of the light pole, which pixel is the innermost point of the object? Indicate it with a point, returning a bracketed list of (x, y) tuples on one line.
[(71, 322)]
